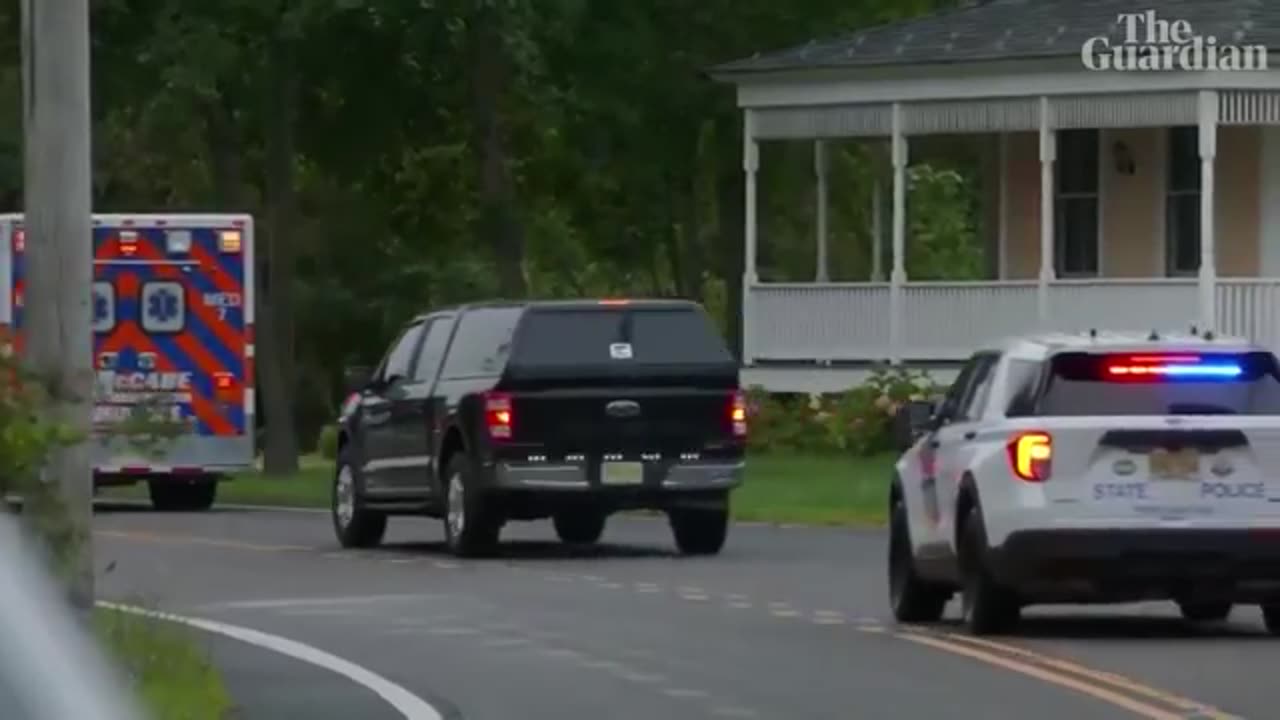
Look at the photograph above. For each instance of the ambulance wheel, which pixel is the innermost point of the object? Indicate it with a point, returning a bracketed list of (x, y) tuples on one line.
[(171, 494)]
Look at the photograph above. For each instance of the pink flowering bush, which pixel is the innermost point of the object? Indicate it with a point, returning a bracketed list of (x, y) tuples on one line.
[(858, 421)]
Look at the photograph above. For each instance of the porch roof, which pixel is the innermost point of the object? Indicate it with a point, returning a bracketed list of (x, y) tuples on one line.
[(994, 30)]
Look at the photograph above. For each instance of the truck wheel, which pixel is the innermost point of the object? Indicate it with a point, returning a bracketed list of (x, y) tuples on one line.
[(471, 528), (912, 599), (699, 531), (1205, 612), (989, 608), (173, 495), (355, 525), (581, 527), (1271, 617)]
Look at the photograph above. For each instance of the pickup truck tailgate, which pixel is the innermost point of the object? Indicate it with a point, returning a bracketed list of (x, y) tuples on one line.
[(629, 421)]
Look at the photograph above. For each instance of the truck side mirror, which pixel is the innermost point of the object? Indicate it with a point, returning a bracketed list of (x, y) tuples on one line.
[(356, 379)]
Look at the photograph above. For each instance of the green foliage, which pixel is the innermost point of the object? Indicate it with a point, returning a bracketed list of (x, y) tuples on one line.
[(167, 665), (857, 422), (327, 442)]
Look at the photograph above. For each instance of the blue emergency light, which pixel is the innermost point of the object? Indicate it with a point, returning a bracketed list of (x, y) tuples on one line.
[(1181, 366)]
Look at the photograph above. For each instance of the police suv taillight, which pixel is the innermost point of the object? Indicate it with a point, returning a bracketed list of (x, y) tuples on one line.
[(1031, 456)]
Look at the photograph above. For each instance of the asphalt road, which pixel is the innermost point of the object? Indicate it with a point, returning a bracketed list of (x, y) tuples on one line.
[(788, 623)]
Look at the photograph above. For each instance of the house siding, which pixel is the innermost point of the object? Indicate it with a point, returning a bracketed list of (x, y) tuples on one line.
[(1132, 222)]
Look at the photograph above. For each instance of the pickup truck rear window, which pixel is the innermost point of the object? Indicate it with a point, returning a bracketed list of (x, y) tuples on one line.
[(1155, 384), (657, 336)]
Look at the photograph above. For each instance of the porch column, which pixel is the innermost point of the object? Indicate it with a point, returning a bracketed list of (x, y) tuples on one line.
[(898, 274), (877, 229), (820, 172), (1208, 121), (1048, 155), (750, 165)]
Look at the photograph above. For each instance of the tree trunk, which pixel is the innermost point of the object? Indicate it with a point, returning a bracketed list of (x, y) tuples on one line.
[(499, 226), (275, 338)]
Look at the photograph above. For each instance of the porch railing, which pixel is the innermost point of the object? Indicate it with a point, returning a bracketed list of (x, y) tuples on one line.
[(948, 320)]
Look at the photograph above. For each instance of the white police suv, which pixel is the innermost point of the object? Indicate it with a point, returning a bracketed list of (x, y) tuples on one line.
[(1092, 468)]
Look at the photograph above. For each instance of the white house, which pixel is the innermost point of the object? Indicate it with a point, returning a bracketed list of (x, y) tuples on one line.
[(1138, 155)]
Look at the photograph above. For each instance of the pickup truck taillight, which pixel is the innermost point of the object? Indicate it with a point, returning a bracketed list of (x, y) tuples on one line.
[(738, 414), (1031, 456), (498, 415)]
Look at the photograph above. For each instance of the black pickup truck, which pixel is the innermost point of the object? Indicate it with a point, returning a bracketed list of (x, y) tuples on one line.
[(571, 410)]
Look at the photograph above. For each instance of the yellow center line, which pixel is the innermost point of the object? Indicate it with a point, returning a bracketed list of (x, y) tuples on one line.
[(1058, 678), (1103, 676), (193, 540)]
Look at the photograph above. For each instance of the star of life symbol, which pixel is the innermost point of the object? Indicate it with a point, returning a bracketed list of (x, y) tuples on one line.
[(1147, 42), (100, 310), (163, 305)]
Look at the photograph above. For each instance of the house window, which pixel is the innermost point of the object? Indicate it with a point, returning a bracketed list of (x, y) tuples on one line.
[(1076, 224), (1182, 202)]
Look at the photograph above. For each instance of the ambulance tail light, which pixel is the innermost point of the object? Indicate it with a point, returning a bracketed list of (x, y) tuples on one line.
[(230, 241), (499, 415), (1031, 456), (225, 387), (128, 243)]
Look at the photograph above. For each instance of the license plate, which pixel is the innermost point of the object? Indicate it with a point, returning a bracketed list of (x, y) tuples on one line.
[(1181, 464), (622, 473)]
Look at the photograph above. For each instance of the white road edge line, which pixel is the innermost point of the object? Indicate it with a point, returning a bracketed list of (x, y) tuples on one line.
[(404, 702)]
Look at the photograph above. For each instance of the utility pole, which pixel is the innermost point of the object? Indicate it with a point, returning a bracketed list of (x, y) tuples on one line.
[(59, 254)]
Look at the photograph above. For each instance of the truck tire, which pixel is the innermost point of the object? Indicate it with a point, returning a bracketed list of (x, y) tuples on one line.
[(174, 495), (911, 598), (989, 608), (355, 525), (1271, 617), (579, 527), (699, 531), (1205, 611), (471, 528)]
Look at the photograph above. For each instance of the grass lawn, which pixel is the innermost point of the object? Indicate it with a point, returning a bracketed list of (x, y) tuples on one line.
[(170, 670), (809, 489)]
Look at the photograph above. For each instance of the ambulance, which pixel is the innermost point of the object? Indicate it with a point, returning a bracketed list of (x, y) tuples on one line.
[(173, 348)]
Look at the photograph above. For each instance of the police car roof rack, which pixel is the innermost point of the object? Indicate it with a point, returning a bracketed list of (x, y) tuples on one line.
[(1093, 333), (1154, 336)]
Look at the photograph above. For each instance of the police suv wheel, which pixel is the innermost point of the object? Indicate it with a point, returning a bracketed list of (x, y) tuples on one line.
[(355, 525), (1205, 612), (471, 528), (911, 598), (989, 608)]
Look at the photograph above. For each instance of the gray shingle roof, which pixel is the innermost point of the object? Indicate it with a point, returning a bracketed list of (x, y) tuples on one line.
[(1014, 30)]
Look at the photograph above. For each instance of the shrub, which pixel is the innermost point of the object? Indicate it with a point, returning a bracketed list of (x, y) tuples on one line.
[(858, 421), (327, 442)]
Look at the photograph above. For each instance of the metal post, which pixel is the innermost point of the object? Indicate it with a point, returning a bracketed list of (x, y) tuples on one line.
[(58, 255), (1048, 155), (898, 274), (822, 273), (750, 164), (1208, 122)]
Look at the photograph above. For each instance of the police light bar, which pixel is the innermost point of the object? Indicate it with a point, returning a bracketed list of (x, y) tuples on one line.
[(1148, 368), (229, 241)]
